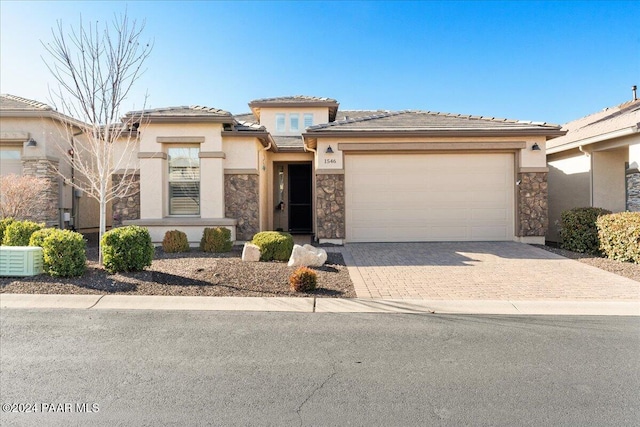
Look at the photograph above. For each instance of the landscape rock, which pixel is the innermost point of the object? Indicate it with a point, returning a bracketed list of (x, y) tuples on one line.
[(250, 252), (307, 256)]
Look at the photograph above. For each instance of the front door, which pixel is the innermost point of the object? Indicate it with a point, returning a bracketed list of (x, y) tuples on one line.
[(300, 206)]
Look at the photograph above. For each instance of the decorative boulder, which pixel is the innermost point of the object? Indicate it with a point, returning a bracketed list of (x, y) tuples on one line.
[(308, 256), (250, 253)]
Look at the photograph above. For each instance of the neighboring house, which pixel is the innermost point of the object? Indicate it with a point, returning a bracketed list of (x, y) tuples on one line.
[(299, 164), (596, 163), (32, 141)]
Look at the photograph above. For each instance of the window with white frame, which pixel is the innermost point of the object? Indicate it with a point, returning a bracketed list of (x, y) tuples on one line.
[(280, 126), (294, 122), (10, 159), (308, 120), (184, 180)]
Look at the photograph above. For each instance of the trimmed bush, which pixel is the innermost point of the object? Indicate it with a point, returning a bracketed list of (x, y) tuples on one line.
[(175, 241), (216, 240), (578, 231), (64, 252), (4, 223), (37, 238), (620, 236), (126, 249), (274, 245), (303, 279), (18, 233)]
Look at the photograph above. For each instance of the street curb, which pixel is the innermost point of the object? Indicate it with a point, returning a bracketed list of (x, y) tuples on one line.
[(319, 305)]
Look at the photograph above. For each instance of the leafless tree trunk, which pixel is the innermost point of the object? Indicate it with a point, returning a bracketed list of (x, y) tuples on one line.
[(96, 66)]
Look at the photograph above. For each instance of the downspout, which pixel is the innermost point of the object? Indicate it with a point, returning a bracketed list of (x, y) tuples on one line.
[(588, 154), (74, 202)]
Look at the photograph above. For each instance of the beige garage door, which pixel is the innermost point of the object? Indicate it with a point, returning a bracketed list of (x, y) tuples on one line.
[(429, 197)]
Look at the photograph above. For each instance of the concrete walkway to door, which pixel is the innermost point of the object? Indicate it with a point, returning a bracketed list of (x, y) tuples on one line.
[(478, 271)]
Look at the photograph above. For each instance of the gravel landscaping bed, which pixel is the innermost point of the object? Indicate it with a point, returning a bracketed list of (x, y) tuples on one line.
[(626, 269), (194, 273)]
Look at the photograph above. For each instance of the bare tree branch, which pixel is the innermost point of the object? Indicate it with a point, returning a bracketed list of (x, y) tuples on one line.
[(96, 66)]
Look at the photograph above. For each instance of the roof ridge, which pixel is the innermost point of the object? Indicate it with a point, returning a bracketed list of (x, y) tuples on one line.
[(37, 104)]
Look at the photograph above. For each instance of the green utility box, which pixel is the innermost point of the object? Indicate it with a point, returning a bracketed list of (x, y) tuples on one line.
[(20, 261)]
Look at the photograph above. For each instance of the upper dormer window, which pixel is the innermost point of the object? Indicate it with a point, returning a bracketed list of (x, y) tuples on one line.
[(280, 122), (294, 122), (308, 120)]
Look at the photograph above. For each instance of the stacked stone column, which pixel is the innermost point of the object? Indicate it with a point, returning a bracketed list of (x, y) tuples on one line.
[(47, 169), (532, 204), (330, 208)]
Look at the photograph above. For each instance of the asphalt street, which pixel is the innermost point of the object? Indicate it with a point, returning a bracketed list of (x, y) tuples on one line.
[(81, 367)]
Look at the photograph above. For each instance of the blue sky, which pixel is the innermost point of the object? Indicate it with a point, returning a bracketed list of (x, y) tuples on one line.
[(545, 61)]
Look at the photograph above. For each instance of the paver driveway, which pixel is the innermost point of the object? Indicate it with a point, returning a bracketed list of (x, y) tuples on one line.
[(478, 270)]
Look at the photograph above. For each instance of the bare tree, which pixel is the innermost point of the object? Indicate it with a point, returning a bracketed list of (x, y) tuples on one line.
[(23, 196), (96, 66)]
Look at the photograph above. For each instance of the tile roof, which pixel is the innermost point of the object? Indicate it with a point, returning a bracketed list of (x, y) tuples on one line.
[(289, 143), (295, 99), (17, 103), (182, 111), (412, 120), (626, 115), (243, 126), (245, 117)]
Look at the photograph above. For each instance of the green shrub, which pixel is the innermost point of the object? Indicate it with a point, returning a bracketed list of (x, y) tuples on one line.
[(64, 253), (216, 240), (4, 223), (578, 231), (620, 236), (126, 249), (274, 245), (303, 279), (18, 233), (37, 238), (175, 241)]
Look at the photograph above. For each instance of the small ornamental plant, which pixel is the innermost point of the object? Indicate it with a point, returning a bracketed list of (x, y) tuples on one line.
[(18, 233), (64, 253), (303, 279), (175, 241), (274, 245), (127, 249), (216, 240), (4, 223)]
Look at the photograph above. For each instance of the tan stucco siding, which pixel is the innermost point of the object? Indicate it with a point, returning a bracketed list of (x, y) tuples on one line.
[(569, 187), (609, 179)]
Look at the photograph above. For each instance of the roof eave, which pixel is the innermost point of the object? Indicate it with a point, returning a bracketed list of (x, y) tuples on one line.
[(50, 114), (595, 139), (436, 132), (188, 119)]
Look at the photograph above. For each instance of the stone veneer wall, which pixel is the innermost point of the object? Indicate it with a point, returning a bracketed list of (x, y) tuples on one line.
[(633, 190), (532, 204), (241, 202), (330, 211), (126, 208), (48, 169)]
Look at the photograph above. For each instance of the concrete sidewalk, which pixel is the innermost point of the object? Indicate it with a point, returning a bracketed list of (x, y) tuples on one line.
[(320, 305)]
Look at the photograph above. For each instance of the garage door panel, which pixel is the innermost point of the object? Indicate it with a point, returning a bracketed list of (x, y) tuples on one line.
[(429, 197)]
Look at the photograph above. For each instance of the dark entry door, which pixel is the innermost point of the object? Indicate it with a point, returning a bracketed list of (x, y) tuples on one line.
[(300, 217)]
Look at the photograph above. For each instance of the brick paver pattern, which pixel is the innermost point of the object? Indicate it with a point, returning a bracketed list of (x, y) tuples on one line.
[(478, 270)]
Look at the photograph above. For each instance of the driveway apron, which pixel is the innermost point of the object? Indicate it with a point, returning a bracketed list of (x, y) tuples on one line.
[(478, 271)]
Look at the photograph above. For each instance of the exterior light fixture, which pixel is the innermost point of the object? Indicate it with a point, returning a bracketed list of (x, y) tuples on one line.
[(329, 150), (32, 143), (535, 147)]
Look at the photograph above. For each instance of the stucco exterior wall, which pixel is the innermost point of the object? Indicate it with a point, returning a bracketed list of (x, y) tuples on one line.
[(609, 179), (569, 187), (48, 159)]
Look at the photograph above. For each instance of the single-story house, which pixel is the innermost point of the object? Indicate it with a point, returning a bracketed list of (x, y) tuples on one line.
[(33, 141), (596, 163), (301, 164)]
